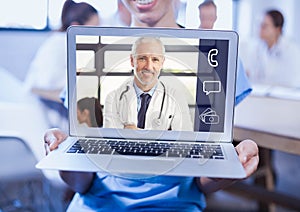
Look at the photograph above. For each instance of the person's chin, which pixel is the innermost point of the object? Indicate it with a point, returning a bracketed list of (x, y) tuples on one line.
[(147, 82)]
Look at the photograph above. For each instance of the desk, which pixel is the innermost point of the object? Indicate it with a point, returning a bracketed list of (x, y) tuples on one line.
[(274, 124)]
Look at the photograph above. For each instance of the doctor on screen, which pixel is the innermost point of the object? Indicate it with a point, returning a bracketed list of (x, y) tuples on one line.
[(144, 101)]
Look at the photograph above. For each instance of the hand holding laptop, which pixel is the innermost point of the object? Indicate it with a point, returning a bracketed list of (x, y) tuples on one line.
[(52, 138), (248, 155)]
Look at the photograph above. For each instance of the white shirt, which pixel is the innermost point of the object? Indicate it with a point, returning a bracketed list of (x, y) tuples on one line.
[(279, 65), (48, 70), (167, 109)]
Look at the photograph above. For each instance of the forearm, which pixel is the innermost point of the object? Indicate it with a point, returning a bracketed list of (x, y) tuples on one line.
[(48, 94), (78, 181), (210, 185)]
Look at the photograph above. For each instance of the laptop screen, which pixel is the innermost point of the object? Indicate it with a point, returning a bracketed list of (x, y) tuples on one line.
[(188, 74)]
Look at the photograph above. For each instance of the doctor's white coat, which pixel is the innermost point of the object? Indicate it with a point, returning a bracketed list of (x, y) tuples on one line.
[(121, 109)]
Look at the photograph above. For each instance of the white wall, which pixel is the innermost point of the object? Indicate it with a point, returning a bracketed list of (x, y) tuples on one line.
[(296, 21)]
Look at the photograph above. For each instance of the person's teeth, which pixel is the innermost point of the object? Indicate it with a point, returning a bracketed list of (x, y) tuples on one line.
[(144, 1)]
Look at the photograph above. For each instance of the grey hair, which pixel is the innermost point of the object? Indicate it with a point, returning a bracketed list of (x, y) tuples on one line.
[(147, 40)]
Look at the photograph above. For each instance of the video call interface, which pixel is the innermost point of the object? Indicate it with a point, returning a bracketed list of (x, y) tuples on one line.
[(195, 68)]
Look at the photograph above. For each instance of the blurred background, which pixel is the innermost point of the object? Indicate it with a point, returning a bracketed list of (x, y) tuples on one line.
[(25, 115)]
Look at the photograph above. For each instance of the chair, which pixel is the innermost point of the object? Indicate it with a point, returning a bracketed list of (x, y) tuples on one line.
[(22, 186), (23, 124), (23, 121)]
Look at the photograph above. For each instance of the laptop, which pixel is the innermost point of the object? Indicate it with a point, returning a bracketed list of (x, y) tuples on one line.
[(200, 69)]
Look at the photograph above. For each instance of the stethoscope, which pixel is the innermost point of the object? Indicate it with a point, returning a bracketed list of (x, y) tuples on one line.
[(157, 121)]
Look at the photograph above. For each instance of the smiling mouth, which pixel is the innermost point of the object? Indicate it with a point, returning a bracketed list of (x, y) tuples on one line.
[(147, 72), (144, 2)]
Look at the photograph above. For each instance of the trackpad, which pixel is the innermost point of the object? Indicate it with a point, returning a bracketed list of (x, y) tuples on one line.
[(140, 166)]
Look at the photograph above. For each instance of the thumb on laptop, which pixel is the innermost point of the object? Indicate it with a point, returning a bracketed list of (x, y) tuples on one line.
[(248, 155), (52, 138)]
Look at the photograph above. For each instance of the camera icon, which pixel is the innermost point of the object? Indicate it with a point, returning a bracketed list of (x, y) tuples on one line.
[(209, 116)]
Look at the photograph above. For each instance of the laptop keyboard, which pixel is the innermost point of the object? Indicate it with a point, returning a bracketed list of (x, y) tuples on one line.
[(147, 148)]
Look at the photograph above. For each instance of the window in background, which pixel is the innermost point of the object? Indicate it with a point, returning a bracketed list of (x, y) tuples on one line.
[(29, 14), (107, 59), (43, 14)]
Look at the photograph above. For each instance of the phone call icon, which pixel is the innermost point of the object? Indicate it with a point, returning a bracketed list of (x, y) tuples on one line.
[(211, 55)]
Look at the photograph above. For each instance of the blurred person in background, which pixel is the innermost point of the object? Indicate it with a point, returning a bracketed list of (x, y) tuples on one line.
[(276, 57), (89, 112), (207, 14), (48, 71)]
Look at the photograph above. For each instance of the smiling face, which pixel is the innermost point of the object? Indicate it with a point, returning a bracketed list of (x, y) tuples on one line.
[(152, 13), (147, 61)]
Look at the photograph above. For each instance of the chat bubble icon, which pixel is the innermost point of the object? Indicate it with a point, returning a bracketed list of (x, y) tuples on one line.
[(211, 87)]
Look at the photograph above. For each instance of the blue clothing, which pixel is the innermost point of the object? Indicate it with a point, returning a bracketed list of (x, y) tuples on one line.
[(242, 87), (159, 193)]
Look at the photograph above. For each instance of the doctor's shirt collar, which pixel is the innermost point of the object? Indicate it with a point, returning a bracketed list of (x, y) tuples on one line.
[(138, 91)]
